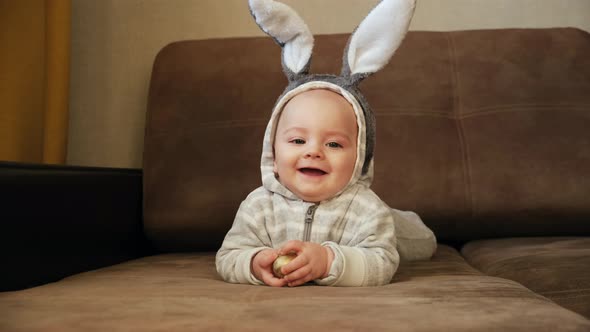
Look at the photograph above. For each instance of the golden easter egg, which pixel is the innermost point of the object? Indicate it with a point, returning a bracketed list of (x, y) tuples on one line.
[(280, 262)]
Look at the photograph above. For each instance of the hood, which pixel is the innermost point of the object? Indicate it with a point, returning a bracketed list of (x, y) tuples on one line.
[(363, 169), (368, 50)]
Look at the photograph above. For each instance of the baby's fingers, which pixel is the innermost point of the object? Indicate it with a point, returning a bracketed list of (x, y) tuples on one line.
[(297, 274), (266, 257), (298, 282), (296, 264), (293, 246), (269, 279), (299, 277)]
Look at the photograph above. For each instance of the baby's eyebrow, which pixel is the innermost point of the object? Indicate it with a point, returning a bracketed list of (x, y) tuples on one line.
[(338, 133), (295, 129)]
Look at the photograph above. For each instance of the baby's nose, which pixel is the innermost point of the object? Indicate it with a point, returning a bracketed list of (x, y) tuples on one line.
[(314, 153)]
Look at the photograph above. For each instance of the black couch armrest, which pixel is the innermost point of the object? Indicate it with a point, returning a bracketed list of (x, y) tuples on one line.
[(61, 220)]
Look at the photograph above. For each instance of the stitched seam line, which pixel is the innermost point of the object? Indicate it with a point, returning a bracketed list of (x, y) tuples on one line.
[(459, 124), (489, 110), (233, 124), (528, 106)]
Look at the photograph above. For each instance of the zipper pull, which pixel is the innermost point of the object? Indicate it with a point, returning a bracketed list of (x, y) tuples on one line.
[(310, 213), (308, 220)]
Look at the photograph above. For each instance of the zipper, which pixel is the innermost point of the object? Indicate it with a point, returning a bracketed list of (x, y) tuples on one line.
[(308, 220)]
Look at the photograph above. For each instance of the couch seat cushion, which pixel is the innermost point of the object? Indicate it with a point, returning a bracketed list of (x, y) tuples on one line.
[(176, 292), (558, 268)]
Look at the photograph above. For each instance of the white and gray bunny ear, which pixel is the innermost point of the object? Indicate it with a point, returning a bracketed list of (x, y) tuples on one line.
[(287, 28), (377, 37)]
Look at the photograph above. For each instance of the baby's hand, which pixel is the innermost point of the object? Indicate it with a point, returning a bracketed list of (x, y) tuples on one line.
[(313, 261), (261, 267)]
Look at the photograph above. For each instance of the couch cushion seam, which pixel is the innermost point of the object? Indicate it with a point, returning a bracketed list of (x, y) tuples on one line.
[(508, 108), (459, 124)]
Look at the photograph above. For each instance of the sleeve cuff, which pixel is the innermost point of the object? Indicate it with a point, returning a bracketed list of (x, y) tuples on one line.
[(348, 268), (335, 268), (245, 275), (354, 268)]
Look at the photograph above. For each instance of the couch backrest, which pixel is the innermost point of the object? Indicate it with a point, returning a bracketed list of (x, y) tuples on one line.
[(483, 133)]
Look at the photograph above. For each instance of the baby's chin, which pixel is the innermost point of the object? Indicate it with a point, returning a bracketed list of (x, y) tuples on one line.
[(314, 197)]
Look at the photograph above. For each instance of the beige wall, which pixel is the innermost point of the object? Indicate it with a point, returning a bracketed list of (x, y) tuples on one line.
[(114, 43)]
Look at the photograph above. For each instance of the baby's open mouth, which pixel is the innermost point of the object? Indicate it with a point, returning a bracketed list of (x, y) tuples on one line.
[(312, 171)]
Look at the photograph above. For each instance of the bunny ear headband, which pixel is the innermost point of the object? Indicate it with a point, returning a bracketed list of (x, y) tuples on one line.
[(369, 48)]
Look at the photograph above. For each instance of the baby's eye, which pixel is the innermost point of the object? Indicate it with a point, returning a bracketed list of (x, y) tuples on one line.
[(297, 141), (334, 145)]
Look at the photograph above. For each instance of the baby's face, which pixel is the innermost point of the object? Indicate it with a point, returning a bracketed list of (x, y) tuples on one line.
[(316, 145)]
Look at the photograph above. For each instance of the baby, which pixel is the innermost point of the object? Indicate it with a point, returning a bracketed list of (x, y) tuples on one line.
[(314, 203), (317, 167)]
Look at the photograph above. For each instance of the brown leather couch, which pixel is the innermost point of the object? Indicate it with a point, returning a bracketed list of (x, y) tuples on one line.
[(485, 134)]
